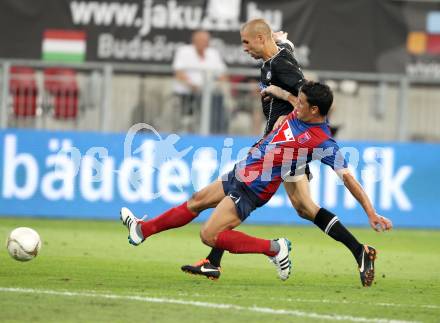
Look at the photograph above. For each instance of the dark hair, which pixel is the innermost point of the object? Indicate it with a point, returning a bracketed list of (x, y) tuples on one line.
[(318, 94)]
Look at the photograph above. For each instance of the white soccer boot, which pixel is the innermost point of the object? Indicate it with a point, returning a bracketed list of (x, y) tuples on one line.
[(281, 260), (135, 236)]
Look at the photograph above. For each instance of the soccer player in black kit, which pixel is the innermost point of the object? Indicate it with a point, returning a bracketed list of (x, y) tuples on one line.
[(281, 69)]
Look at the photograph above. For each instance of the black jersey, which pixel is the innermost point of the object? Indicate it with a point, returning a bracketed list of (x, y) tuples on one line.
[(283, 71)]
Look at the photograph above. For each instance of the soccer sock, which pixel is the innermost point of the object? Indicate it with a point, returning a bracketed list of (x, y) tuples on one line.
[(238, 242), (274, 246), (329, 223), (215, 256), (173, 218)]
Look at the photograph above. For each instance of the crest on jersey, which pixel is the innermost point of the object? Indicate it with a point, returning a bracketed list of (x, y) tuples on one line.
[(304, 137), (284, 134), (268, 75)]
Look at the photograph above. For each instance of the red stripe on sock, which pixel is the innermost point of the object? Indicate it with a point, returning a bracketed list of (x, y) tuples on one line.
[(239, 242), (173, 218)]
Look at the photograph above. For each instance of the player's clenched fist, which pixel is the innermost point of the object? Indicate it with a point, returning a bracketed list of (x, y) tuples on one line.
[(276, 92)]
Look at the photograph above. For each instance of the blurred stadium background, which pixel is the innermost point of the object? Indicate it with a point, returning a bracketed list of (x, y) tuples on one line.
[(75, 75)]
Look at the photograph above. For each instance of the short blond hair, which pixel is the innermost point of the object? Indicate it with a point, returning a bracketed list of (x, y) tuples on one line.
[(257, 26)]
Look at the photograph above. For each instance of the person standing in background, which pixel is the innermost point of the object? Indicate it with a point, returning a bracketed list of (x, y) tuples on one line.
[(191, 64)]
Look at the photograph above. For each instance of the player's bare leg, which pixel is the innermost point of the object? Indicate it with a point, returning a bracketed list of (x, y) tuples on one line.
[(209, 197), (176, 217), (224, 217), (218, 232), (300, 197)]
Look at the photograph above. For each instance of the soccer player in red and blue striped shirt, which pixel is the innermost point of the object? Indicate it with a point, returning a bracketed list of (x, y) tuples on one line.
[(303, 137)]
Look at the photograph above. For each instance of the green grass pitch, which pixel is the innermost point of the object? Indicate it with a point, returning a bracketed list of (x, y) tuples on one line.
[(87, 272)]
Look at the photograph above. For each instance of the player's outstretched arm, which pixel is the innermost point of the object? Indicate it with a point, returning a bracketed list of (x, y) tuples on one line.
[(377, 222), (279, 93)]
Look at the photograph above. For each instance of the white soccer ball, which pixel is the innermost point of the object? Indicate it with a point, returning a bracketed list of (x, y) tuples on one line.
[(23, 244)]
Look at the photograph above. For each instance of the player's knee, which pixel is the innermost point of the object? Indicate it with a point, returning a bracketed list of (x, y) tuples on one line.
[(195, 197), (299, 207), (195, 203), (307, 211), (207, 237), (301, 212), (304, 212)]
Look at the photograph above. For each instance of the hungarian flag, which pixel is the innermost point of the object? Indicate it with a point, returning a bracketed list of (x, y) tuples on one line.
[(64, 45)]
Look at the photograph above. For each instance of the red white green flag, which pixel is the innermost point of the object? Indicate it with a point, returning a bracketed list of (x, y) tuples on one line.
[(64, 45)]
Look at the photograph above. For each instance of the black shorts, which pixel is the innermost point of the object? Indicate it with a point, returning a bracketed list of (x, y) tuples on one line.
[(308, 173), (296, 175), (245, 200)]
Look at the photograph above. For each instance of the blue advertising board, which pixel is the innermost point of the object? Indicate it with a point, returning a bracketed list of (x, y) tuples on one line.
[(92, 175)]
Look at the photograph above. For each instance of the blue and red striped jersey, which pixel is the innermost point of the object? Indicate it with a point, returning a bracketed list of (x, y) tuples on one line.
[(284, 152)]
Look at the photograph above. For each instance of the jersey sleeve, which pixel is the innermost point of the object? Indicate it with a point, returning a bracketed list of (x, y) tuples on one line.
[(330, 154), (287, 44), (289, 75)]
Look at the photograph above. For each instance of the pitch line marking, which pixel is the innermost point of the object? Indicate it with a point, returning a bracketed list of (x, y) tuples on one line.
[(328, 301), (350, 302), (204, 304)]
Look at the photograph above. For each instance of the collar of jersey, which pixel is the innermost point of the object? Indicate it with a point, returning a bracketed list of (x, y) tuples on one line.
[(280, 49), (314, 123)]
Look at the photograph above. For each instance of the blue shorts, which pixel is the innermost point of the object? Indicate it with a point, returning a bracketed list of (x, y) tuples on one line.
[(245, 200)]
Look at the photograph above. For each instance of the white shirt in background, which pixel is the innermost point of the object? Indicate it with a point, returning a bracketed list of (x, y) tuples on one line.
[(187, 60)]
